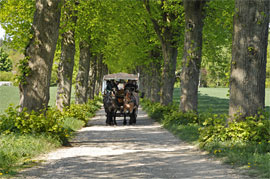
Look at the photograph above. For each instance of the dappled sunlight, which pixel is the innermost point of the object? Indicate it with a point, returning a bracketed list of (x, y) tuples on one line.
[(104, 151), (144, 150)]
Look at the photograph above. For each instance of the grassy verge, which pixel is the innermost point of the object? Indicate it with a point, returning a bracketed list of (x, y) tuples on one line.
[(243, 145), (23, 136), (254, 157), (16, 150)]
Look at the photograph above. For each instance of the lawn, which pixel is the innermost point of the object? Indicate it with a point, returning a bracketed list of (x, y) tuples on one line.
[(210, 99), (215, 100), (10, 95)]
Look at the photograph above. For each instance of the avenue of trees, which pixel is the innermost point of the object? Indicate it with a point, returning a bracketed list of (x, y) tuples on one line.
[(78, 41)]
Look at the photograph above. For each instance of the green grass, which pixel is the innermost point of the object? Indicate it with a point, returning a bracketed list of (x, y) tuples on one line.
[(215, 100), (73, 123), (253, 157), (17, 150), (187, 133), (10, 95)]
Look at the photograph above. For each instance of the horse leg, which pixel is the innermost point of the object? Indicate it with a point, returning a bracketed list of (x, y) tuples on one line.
[(125, 120), (111, 118), (130, 119), (135, 115), (107, 119), (114, 118)]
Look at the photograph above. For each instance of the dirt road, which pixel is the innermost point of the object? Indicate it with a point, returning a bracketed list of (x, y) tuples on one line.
[(145, 150)]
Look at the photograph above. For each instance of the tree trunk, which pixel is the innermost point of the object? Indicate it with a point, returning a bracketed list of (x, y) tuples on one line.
[(248, 67), (155, 87), (148, 80), (192, 55), (92, 77), (169, 51), (167, 36), (35, 88), (156, 75), (65, 68), (142, 80), (98, 75), (83, 74)]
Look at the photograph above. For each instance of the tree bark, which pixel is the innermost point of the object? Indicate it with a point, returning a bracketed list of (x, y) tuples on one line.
[(92, 76), (65, 68), (166, 34), (169, 51), (248, 66), (156, 75), (148, 80), (155, 87), (142, 80), (191, 63), (98, 75), (34, 89), (81, 94)]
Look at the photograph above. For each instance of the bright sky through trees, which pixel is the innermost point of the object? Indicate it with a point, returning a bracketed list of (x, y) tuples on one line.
[(2, 33)]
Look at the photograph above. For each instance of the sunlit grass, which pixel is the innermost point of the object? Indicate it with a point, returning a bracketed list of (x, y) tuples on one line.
[(252, 156), (17, 150), (215, 100), (10, 95)]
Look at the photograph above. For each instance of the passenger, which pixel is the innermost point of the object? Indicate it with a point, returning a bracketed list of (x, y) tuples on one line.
[(109, 85), (114, 85), (131, 85)]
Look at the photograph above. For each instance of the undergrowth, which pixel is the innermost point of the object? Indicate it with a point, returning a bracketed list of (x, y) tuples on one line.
[(243, 144), (24, 135)]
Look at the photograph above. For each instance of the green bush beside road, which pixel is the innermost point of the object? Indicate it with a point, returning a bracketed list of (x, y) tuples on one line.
[(25, 135), (244, 144)]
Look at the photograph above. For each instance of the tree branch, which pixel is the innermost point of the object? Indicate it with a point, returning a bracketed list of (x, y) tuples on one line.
[(155, 23)]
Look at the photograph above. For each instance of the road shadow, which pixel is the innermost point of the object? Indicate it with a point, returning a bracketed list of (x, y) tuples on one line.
[(144, 150)]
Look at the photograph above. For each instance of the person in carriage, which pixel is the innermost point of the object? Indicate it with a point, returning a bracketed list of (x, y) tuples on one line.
[(111, 85), (133, 88)]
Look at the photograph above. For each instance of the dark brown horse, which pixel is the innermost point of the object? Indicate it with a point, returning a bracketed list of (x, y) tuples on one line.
[(130, 107), (110, 107)]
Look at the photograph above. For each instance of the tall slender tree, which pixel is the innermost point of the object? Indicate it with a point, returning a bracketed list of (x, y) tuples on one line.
[(92, 77), (192, 54), (37, 66), (167, 28), (249, 50), (66, 64), (81, 94)]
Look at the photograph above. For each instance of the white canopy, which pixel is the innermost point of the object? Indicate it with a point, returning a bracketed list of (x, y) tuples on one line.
[(121, 76)]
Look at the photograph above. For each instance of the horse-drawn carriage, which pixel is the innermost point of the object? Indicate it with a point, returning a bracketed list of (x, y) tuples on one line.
[(120, 97)]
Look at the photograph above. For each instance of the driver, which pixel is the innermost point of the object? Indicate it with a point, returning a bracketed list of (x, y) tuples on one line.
[(111, 85), (131, 85)]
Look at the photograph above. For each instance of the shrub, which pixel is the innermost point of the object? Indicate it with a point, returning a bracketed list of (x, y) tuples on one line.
[(252, 129), (82, 111), (156, 110), (49, 122), (182, 118), (5, 62)]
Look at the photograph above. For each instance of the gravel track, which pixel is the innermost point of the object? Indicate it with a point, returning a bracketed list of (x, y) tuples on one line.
[(145, 150)]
